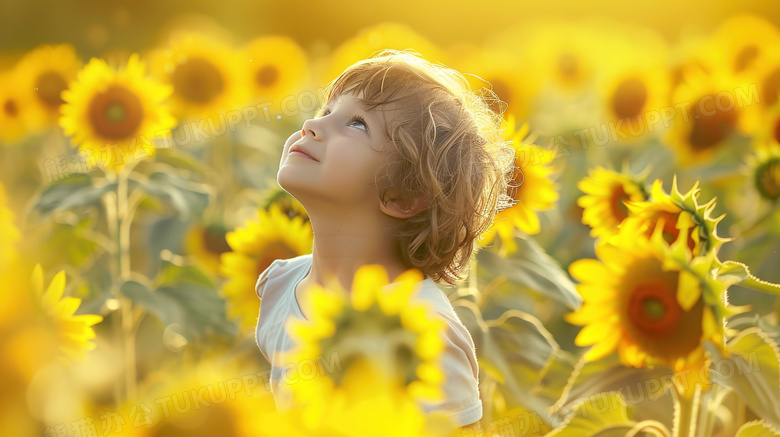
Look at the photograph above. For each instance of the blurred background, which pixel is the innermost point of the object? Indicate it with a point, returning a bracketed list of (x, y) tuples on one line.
[(139, 145)]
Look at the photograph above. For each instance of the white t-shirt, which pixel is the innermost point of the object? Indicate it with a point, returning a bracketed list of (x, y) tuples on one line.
[(276, 288)]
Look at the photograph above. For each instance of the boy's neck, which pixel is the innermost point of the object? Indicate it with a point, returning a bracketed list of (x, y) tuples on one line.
[(340, 248)]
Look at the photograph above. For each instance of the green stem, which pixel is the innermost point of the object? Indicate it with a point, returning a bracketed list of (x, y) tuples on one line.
[(112, 223), (221, 152), (123, 249), (686, 409), (119, 219), (715, 398)]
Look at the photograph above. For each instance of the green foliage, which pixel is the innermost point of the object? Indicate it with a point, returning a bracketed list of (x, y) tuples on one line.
[(186, 197), (752, 371), (71, 193), (185, 296)]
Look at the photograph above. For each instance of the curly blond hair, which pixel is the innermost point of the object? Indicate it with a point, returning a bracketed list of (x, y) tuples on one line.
[(447, 145)]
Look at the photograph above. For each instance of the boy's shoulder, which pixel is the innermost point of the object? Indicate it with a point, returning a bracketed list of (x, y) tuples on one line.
[(281, 268), (430, 292)]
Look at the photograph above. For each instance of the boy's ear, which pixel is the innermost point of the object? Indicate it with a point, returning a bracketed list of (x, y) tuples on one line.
[(403, 208)]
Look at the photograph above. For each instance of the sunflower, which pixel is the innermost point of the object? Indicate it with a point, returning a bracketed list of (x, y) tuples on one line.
[(379, 325), (651, 301), (688, 54), (630, 90), (288, 204), (9, 235), (712, 115), (207, 75), (531, 189), (769, 79), (679, 212), (632, 77), (45, 73), (559, 55), (121, 110), (741, 43), (372, 39), (603, 202), (765, 170), (13, 306), (207, 243), (17, 110), (278, 69), (768, 130), (171, 402), (254, 247), (73, 332), (366, 403), (766, 77), (497, 69)]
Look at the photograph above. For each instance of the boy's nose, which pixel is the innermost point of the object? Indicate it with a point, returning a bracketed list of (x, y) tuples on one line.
[(309, 129)]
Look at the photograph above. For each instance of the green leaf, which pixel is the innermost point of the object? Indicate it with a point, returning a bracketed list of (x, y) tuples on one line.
[(757, 428), (70, 193), (187, 197), (732, 272), (531, 267), (513, 350), (165, 308), (204, 309), (604, 415), (752, 370), (172, 274), (589, 378), (198, 309), (180, 160), (69, 242)]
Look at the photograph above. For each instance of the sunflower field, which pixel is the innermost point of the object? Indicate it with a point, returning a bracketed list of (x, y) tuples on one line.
[(632, 289)]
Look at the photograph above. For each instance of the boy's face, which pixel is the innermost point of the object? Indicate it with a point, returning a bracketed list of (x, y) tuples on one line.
[(347, 143)]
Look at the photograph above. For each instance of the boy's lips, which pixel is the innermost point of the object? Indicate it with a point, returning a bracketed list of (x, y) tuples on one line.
[(301, 149)]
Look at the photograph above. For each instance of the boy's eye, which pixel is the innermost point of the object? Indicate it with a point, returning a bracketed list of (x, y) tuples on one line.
[(356, 119)]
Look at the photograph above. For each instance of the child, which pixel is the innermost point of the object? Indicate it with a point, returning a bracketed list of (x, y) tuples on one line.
[(405, 167)]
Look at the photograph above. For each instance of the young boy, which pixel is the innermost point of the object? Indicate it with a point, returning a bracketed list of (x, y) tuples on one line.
[(404, 167)]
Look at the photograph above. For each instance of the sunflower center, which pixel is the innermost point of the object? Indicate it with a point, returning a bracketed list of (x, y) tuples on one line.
[(712, 122), (745, 57), (629, 98), (654, 310), (771, 87), (10, 108), (49, 85), (568, 66), (267, 76), (116, 113), (768, 179), (197, 80), (214, 241), (776, 130), (373, 335), (619, 209), (273, 251)]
